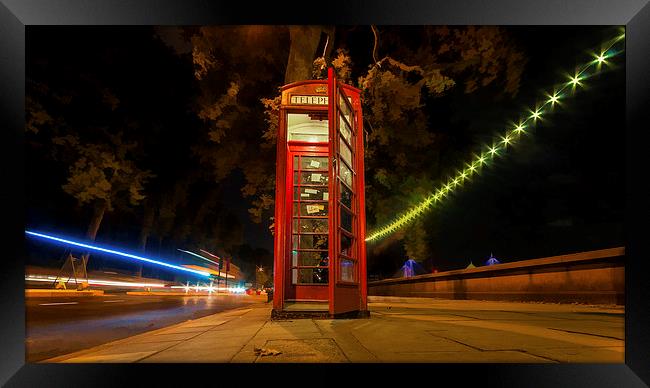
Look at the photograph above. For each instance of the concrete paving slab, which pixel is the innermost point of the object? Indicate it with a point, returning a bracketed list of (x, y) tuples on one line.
[(381, 338), (543, 333), (237, 312), (110, 358), (194, 354), (187, 329), (165, 337), (206, 323), (341, 332), (123, 352), (583, 354)]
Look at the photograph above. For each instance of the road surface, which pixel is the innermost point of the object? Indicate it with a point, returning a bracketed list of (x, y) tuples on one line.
[(56, 326)]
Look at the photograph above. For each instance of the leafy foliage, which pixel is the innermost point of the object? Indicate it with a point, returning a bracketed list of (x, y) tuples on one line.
[(102, 171)]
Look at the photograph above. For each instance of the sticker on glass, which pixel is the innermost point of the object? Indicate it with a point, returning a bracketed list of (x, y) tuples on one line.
[(311, 191), (311, 209), (315, 177), (314, 164)]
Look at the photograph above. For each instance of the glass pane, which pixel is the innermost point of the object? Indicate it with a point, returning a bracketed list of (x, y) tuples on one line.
[(310, 225), (347, 270), (345, 130), (310, 209), (310, 193), (346, 174), (307, 127), (311, 276), (346, 154), (346, 245), (310, 178), (345, 109), (294, 276), (346, 196), (310, 241), (346, 220), (303, 258), (313, 163), (296, 162)]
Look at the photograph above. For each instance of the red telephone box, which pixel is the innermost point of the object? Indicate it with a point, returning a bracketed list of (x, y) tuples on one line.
[(320, 252)]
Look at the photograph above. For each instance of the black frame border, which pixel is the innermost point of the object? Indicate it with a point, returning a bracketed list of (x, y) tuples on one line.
[(15, 15)]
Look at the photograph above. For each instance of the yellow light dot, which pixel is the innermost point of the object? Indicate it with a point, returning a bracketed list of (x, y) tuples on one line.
[(575, 80), (553, 99), (535, 115), (493, 150)]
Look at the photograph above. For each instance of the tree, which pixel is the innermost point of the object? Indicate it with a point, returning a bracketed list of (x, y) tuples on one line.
[(418, 67)]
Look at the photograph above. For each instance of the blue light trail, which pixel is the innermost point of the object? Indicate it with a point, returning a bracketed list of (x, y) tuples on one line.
[(118, 253)]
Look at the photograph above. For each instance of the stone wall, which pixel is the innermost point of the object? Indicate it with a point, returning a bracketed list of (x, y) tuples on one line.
[(595, 277)]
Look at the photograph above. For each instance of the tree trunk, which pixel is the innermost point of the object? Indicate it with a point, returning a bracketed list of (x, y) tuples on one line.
[(147, 223), (96, 220), (91, 233), (304, 43)]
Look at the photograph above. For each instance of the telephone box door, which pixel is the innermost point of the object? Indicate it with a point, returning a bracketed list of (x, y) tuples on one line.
[(344, 228), (307, 215)]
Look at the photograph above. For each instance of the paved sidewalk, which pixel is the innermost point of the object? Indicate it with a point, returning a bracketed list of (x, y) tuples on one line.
[(399, 330)]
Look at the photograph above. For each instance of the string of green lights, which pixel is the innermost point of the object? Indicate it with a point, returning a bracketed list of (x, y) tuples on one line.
[(509, 139)]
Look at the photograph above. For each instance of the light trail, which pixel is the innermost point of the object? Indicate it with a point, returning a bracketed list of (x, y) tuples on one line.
[(118, 253), (94, 282), (210, 254), (199, 256), (236, 290)]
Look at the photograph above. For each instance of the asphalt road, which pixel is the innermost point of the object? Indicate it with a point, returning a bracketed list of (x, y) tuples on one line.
[(57, 326)]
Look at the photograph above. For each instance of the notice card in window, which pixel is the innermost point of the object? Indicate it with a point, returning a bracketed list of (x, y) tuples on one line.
[(315, 177), (311, 209), (314, 164)]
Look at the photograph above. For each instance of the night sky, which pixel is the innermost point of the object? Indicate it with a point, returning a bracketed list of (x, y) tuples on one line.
[(559, 190)]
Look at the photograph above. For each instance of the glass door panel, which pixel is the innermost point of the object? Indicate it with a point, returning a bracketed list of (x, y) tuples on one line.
[(310, 239)]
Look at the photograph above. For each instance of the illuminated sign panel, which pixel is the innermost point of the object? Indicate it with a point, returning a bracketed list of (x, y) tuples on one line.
[(309, 100)]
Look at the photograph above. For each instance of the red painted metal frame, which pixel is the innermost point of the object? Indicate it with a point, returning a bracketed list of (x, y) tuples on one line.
[(343, 297)]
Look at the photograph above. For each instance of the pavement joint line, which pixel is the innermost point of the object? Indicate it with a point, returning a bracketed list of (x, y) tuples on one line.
[(320, 331), (363, 346), (517, 329), (249, 340), (156, 352), (458, 342), (495, 350), (581, 332)]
